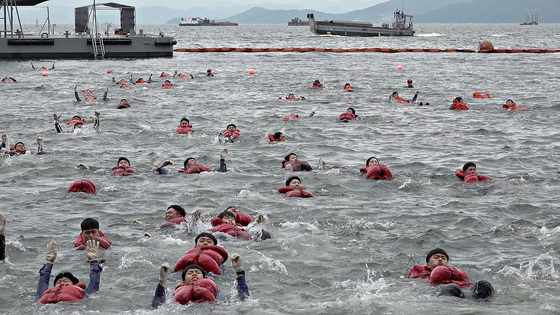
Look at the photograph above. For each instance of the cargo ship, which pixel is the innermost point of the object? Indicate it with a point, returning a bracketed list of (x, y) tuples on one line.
[(298, 22), (203, 22)]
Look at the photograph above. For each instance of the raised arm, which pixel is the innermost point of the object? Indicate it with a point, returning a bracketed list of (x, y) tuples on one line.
[(92, 253), (2, 238), (159, 295), (223, 166), (96, 121), (242, 288), (76, 93), (105, 93), (45, 272)]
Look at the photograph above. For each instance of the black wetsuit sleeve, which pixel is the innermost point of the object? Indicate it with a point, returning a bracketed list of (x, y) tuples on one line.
[(105, 95), (159, 296), (13, 79), (94, 278), (57, 127), (223, 166), (414, 98), (2, 247), (77, 96), (96, 123), (44, 277), (242, 288), (162, 170)]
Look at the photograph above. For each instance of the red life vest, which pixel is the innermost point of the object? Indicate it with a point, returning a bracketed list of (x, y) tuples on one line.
[(349, 88), (235, 133), (347, 116), (125, 86), (240, 217), (233, 230), (140, 81), (180, 75), (104, 241), (123, 171), (480, 95), (292, 98), (202, 290), (166, 86), (471, 178), (317, 85), (87, 92), (69, 293), (121, 106), (90, 99), (290, 117), (173, 222), (184, 129), (298, 166), (513, 107), (272, 139), (401, 100), (379, 171), (164, 74), (208, 257), (84, 185), (72, 122), (290, 192), (441, 275), (458, 105), (197, 168)]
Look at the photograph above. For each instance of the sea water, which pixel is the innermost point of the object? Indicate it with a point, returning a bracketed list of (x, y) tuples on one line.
[(349, 249)]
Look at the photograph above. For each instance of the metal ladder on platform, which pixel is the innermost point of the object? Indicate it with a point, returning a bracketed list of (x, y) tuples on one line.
[(98, 46)]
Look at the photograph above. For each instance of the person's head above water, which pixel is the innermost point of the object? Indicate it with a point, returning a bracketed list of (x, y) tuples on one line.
[(174, 211), (293, 182), (409, 82), (167, 82), (184, 121), (278, 136), (509, 102), (227, 217), (78, 125), (459, 99), (192, 273), (65, 278), (436, 257), (347, 84), (395, 94), (124, 101), (90, 228), (231, 127), (292, 157), (189, 162), (351, 110), (20, 146), (76, 118), (123, 162), (469, 168), (291, 95), (372, 161), (205, 239)]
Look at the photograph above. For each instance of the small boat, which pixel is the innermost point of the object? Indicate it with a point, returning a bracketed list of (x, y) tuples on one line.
[(87, 42), (402, 26), (534, 19), (298, 22), (203, 22)]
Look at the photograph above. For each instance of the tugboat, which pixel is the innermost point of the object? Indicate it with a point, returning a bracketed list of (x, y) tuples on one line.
[(203, 22), (402, 26), (298, 22), (86, 43), (534, 19)]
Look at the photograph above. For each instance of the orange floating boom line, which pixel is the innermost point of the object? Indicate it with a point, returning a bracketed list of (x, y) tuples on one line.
[(382, 50)]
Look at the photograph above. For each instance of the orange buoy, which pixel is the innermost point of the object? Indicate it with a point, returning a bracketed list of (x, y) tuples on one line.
[(45, 74), (251, 71), (485, 46)]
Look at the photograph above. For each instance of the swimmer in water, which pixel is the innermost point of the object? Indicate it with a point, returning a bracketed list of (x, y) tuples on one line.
[(123, 168), (8, 79), (184, 126), (195, 275), (77, 122), (512, 106), (180, 75), (291, 162), (230, 134), (278, 136), (376, 170), (166, 85), (247, 227), (292, 97), (409, 84), (123, 104), (458, 104), (90, 231), (75, 290), (89, 98), (469, 174), (19, 148), (349, 115), (395, 98), (293, 188), (160, 167), (190, 165), (317, 84), (293, 116), (209, 72), (452, 280)]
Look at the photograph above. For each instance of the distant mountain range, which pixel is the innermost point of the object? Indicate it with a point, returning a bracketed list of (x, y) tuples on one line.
[(424, 11)]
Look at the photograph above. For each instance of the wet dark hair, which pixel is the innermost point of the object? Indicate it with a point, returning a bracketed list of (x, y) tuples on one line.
[(436, 251), (167, 81), (346, 84), (187, 161), (289, 180), (76, 124), (121, 159), (277, 135), (224, 213), (353, 111), (393, 94), (317, 81), (178, 208), (467, 165), (67, 275), (509, 100), (205, 234), (19, 143), (124, 99), (89, 223), (458, 98), (77, 117), (234, 126), (287, 157), (193, 266), (373, 157), (184, 118)]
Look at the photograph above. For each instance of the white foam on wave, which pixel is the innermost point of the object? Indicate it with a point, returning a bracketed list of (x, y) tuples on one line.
[(405, 183), (541, 267), (546, 233), (268, 263), (295, 225), (429, 35)]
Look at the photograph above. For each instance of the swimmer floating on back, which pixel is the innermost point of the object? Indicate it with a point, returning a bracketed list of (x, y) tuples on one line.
[(77, 122), (8, 79), (395, 98), (469, 174), (89, 98), (376, 170), (276, 137), (512, 106), (349, 115), (292, 97), (291, 162), (293, 116), (293, 188)]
